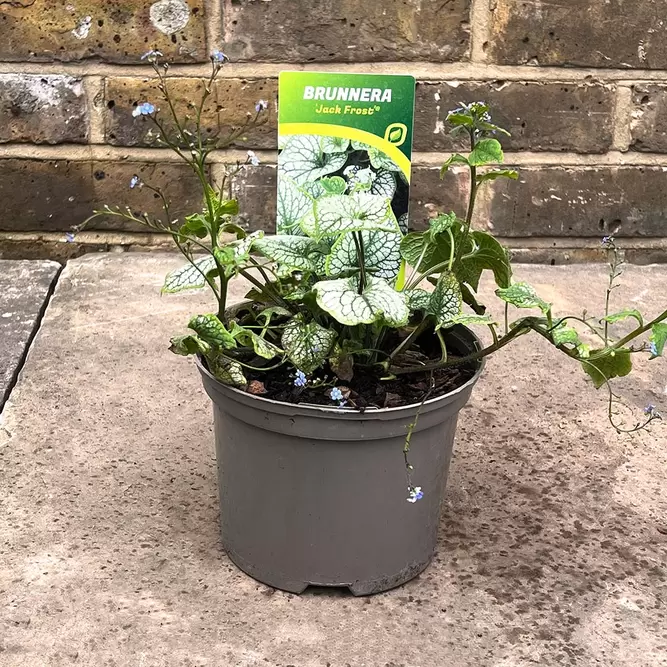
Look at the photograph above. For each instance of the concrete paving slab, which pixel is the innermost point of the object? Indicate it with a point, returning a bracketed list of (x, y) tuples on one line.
[(551, 550), (24, 289)]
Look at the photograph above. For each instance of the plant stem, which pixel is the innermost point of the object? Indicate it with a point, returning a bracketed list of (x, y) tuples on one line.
[(359, 245), (410, 338), (455, 361), (471, 200)]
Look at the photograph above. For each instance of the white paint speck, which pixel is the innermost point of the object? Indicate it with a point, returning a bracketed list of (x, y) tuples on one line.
[(5, 315), (169, 16), (83, 27), (437, 96)]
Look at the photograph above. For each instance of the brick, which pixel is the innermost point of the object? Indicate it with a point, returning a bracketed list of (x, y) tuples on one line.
[(115, 31), (42, 109), (649, 119), (346, 30), (225, 110), (540, 116), (557, 201), (624, 33), (54, 195)]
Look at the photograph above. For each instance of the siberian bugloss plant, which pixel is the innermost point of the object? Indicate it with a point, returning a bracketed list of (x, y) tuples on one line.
[(346, 289)]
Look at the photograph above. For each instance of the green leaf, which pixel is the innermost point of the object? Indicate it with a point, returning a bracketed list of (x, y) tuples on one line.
[(379, 301), (453, 159), (303, 159), (658, 339), (273, 311), (335, 185), (384, 184), (584, 350), (418, 299), (187, 345), (489, 254), (446, 301), (293, 204), (294, 252), (563, 334), (307, 345), (345, 213), (614, 363), (522, 295), (456, 119), (226, 370), (382, 254), (416, 245), (501, 173), (211, 330), (469, 320), (487, 151), (189, 276), (441, 224), (261, 346), (195, 225), (624, 315)]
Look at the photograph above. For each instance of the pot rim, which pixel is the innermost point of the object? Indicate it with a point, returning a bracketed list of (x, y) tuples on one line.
[(349, 412)]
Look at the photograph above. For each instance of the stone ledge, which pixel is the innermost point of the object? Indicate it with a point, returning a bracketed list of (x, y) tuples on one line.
[(551, 538), (24, 290)]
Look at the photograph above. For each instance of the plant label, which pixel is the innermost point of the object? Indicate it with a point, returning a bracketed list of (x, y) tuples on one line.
[(343, 135)]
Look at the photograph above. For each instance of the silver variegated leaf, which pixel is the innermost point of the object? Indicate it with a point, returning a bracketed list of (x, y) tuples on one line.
[(211, 330), (303, 159), (522, 295), (378, 301), (298, 253), (403, 223), (342, 213), (446, 300), (418, 299), (382, 254), (189, 276), (384, 184), (307, 345), (293, 204), (226, 370)]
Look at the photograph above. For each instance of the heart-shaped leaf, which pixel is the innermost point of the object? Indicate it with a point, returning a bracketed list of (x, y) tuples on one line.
[(307, 345), (522, 295), (293, 203), (226, 370), (487, 151), (613, 363), (292, 252), (382, 254), (261, 346), (189, 276), (211, 330), (446, 300), (345, 213), (378, 301), (384, 184)]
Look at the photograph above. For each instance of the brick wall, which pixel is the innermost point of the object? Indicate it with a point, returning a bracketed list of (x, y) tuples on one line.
[(581, 85)]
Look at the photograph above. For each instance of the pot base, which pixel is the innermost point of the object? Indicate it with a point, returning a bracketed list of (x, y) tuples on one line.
[(357, 588)]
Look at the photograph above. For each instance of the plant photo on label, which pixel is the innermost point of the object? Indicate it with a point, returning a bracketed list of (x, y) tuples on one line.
[(350, 314)]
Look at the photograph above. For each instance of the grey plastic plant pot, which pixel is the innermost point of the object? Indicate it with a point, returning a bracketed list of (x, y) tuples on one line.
[(311, 495)]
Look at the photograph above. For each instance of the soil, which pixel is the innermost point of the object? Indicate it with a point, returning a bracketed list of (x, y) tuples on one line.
[(364, 390)]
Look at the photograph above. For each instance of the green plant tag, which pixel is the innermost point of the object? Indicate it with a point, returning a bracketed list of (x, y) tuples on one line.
[(340, 135)]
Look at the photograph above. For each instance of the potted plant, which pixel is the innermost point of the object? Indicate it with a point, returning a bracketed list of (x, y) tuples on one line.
[(337, 384)]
